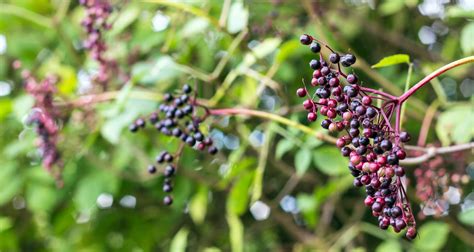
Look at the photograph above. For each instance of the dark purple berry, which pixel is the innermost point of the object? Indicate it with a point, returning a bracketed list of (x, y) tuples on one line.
[(301, 92), (212, 150), (334, 58), (314, 64), (404, 136), (351, 78), (187, 89), (305, 39), (167, 200), (315, 47), (169, 171), (151, 169)]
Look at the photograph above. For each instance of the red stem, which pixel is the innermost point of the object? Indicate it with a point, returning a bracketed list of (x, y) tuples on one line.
[(433, 75)]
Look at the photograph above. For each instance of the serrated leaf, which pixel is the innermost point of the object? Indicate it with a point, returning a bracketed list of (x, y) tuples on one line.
[(467, 39), (302, 161), (432, 236), (330, 161), (180, 241), (283, 147), (238, 17), (393, 60)]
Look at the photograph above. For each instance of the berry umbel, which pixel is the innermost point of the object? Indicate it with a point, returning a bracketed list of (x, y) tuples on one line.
[(366, 136), (177, 118)]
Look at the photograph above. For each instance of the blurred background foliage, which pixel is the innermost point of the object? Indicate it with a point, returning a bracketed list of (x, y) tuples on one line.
[(272, 187)]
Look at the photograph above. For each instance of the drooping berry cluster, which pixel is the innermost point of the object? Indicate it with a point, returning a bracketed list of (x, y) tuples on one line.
[(95, 22), (176, 117), (439, 183), (43, 117), (365, 133)]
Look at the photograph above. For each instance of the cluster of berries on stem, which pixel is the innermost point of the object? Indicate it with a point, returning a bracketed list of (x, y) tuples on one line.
[(177, 117), (94, 23), (43, 117), (366, 135)]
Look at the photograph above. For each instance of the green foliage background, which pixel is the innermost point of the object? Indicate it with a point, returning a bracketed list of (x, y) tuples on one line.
[(248, 56)]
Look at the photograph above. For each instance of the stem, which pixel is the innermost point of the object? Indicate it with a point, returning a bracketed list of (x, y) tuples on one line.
[(370, 90), (273, 117), (433, 151), (407, 86), (433, 75)]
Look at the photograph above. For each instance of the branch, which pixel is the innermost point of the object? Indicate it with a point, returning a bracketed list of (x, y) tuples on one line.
[(433, 75), (433, 151), (273, 117)]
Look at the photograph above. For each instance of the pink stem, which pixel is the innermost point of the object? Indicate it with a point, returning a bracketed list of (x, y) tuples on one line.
[(433, 75)]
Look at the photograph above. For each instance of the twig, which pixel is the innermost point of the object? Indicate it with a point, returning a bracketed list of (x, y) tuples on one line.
[(433, 151)]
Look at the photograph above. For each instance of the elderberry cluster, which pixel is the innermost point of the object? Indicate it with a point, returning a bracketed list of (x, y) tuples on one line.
[(43, 117), (95, 22), (176, 117), (365, 135)]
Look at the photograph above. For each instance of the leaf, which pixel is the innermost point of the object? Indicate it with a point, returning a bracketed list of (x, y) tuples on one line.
[(391, 7), (467, 39), (40, 197), (193, 27), (329, 160), (5, 223), (390, 245), (283, 147), (392, 60), (5, 107), (302, 161), (163, 69), (455, 125), (467, 217), (91, 186), (22, 106), (238, 17), (236, 232), (433, 235), (125, 18), (239, 195), (198, 205), (180, 240)]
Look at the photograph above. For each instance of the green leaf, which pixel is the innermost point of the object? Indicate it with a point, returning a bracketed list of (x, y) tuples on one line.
[(5, 223), (467, 39), (467, 217), (329, 160), (393, 60), (302, 161), (390, 245), (161, 70), (238, 17), (5, 107), (125, 18), (180, 240), (391, 7), (91, 186), (193, 27), (283, 147), (450, 129), (198, 205), (236, 232), (22, 106), (239, 195), (41, 198), (433, 235)]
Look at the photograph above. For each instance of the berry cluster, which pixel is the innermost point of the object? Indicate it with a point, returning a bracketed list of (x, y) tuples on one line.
[(176, 117), (43, 117), (367, 138), (439, 183), (95, 22)]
